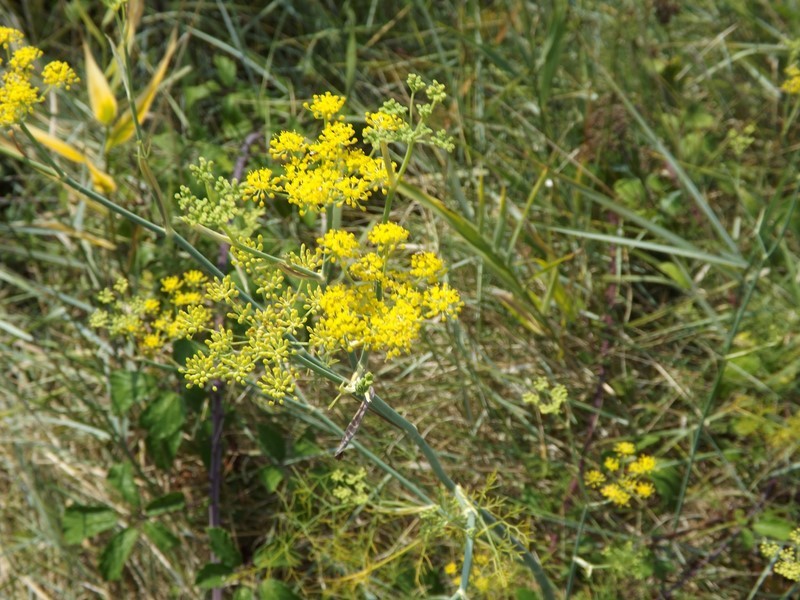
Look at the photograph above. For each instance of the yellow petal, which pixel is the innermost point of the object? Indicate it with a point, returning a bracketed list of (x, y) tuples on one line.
[(123, 128), (101, 98)]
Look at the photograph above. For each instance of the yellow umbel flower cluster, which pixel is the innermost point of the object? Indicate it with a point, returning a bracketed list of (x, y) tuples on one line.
[(19, 94), (155, 318), (329, 171), (624, 475), (387, 315), (548, 400), (787, 563)]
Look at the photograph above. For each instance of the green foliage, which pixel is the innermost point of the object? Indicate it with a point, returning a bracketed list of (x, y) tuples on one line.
[(616, 206)]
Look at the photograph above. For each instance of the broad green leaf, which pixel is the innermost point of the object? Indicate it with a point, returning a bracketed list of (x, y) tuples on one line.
[(160, 535), (129, 388), (223, 547), (123, 129), (212, 575), (116, 553), (774, 528), (270, 477), (163, 451), (164, 416), (271, 442), (120, 477), (226, 69), (81, 522), (243, 593), (101, 98), (166, 503), (272, 589)]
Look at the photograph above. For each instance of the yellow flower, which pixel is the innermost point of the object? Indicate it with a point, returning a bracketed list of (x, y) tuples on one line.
[(259, 186), (642, 465), (324, 106), (59, 74), (369, 267), (450, 569), (338, 244), (624, 448), (644, 489), (792, 84), (482, 583), (611, 463), (616, 494), (10, 36), (151, 342), (171, 284), (286, 143), (194, 278), (151, 306), (594, 478), (426, 266), (387, 236), (187, 298), (23, 58), (442, 301), (17, 98)]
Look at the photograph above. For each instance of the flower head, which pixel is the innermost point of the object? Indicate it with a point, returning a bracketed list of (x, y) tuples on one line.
[(324, 106)]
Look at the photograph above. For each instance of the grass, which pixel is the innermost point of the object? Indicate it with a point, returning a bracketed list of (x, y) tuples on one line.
[(619, 215)]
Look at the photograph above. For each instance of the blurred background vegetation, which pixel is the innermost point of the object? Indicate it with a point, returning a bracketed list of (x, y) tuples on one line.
[(618, 214)]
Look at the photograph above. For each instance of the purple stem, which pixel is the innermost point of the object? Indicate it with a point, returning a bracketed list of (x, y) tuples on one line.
[(217, 409)]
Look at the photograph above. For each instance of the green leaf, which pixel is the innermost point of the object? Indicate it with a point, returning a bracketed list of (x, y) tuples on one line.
[(184, 349), (128, 388), (81, 522), (243, 593), (116, 553), (164, 451), (272, 589), (270, 477), (226, 69), (164, 416), (774, 528), (120, 477), (212, 575), (223, 547), (164, 504), (271, 442), (162, 537)]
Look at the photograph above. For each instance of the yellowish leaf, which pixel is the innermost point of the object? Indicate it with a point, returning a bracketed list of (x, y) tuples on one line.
[(58, 146), (101, 98), (102, 181), (123, 128)]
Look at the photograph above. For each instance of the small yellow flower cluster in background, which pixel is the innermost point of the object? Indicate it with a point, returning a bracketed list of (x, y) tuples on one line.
[(624, 475), (548, 400), (387, 315), (156, 318), (18, 93), (787, 562), (488, 579), (351, 488), (792, 83)]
